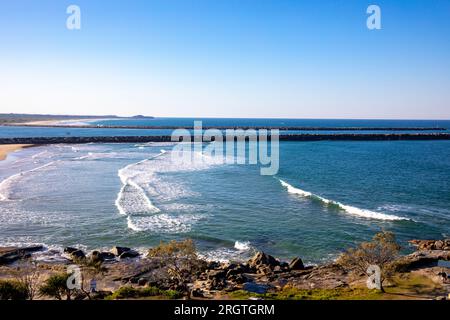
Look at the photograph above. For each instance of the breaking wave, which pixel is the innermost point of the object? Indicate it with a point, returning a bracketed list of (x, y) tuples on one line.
[(132, 198), (348, 209), (145, 181), (6, 184)]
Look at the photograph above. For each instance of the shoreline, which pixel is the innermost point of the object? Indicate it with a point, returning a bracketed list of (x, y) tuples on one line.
[(6, 149), (260, 277)]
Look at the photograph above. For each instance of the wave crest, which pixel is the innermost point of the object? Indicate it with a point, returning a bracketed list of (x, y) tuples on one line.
[(349, 209)]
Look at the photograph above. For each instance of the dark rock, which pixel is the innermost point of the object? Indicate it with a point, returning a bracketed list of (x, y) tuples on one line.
[(239, 279), (217, 274), (236, 269), (296, 264), (197, 293), (212, 265), (262, 259), (117, 251), (101, 256), (215, 284), (11, 254), (74, 253), (69, 250), (129, 254), (79, 254), (134, 280), (142, 282)]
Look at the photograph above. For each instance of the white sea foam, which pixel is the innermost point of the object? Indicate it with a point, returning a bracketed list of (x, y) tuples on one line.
[(132, 198), (348, 209), (98, 155), (163, 223), (8, 182), (242, 246), (148, 179), (226, 255)]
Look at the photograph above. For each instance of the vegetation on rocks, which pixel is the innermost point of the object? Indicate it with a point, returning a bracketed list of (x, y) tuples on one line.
[(128, 292), (382, 251)]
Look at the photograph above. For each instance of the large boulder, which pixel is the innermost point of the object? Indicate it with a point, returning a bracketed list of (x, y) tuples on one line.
[(101, 256), (74, 253), (117, 251), (129, 254), (262, 259), (296, 264)]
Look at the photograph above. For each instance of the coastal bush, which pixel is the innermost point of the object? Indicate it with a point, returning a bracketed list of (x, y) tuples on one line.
[(13, 290), (128, 292), (382, 251), (172, 294), (178, 260), (56, 287)]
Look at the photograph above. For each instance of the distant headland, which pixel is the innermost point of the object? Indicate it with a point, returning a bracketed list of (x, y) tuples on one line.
[(23, 118)]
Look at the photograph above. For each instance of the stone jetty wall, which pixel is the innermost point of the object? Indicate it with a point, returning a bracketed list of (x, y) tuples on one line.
[(291, 137)]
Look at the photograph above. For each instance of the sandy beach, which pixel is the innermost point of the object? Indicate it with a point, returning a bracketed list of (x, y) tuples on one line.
[(5, 149)]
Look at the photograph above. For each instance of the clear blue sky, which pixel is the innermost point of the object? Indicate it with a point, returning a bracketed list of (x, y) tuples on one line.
[(227, 58)]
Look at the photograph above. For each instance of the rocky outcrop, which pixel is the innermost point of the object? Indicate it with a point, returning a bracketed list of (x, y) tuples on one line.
[(12, 254), (74, 253), (296, 264), (102, 256), (117, 251), (421, 259), (129, 254), (431, 244), (124, 252), (262, 260)]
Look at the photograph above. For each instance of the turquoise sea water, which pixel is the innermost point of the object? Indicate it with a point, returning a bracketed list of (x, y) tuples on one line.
[(326, 196)]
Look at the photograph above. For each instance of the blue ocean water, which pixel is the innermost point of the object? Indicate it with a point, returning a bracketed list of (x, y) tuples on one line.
[(326, 196), (10, 132)]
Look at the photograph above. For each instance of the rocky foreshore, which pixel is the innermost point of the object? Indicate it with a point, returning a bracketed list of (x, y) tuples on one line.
[(261, 275)]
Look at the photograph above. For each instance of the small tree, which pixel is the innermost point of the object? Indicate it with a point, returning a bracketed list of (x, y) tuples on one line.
[(56, 287), (178, 258), (27, 273), (381, 251)]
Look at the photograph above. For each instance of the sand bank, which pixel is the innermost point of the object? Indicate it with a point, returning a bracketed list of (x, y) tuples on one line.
[(5, 149)]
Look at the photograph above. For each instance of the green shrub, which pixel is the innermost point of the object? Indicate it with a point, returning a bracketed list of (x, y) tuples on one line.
[(56, 287), (128, 292), (172, 294), (13, 290), (382, 251)]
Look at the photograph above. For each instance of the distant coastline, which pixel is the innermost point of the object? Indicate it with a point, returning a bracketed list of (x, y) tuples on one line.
[(49, 119)]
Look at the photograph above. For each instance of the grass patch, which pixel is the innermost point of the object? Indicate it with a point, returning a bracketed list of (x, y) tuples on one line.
[(414, 285), (290, 293), (128, 292)]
